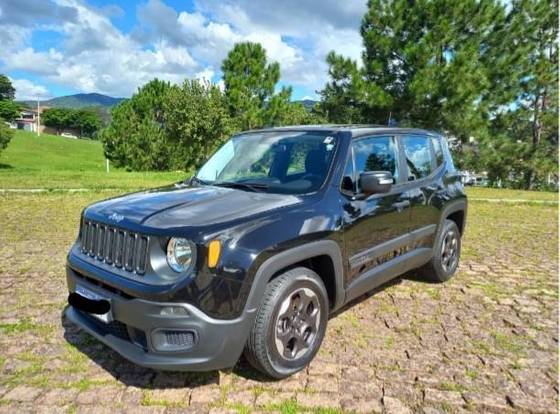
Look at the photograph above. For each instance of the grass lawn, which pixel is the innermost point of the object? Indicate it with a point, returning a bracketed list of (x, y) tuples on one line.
[(52, 162), (503, 193)]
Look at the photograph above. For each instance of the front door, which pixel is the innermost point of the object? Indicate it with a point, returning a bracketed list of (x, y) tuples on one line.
[(374, 225)]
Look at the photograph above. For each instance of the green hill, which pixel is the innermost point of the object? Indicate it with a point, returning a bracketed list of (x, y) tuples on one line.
[(52, 162), (79, 100)]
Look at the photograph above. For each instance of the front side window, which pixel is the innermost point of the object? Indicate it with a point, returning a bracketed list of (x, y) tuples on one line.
[(375, 154), (278, 162), (418, 156)]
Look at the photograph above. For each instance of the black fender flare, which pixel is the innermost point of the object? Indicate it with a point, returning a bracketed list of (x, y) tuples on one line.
[(284, 259), (453, 207)]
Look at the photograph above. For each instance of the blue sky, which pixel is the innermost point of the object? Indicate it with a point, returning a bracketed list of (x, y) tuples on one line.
[(60, 47)]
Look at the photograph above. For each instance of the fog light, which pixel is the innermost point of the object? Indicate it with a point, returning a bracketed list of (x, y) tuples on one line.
[(173, 311), (174, 339)]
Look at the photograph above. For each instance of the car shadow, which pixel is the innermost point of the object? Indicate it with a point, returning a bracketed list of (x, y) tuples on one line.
[(133, 375)]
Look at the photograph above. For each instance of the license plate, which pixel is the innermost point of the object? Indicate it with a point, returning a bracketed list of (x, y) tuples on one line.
[(87, 293)]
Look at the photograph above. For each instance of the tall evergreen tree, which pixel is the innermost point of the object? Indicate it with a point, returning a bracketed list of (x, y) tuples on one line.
[(420, 65), (470, 68), (250, 82), (522, 146)]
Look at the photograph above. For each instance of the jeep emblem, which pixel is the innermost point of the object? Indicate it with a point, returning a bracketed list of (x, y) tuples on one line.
[(116, 217)]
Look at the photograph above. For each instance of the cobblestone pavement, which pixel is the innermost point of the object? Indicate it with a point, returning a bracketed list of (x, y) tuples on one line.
[(486, 341)]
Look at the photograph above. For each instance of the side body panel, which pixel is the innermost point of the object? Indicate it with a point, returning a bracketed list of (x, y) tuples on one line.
[(431, 199)]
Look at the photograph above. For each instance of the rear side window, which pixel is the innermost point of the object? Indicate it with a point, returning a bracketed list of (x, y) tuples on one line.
[(376, 154), (418, 156), (438, 150)]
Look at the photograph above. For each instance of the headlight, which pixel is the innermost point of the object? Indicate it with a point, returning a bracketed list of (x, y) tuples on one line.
[(179, 254)]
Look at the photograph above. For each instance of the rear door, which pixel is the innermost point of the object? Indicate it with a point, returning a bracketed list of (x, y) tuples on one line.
[(424, 183)]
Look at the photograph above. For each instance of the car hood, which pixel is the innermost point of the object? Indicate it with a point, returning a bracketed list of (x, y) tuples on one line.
[(182, 205)]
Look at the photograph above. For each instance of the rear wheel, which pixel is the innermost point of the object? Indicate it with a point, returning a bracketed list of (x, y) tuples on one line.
[(447, 252), (290, 323)]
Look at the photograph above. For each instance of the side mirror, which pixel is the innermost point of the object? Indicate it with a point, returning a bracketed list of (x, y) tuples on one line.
[(376, 182)]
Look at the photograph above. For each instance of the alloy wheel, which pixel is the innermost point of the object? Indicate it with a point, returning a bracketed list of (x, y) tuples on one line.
[(297, 323), (450, 251)]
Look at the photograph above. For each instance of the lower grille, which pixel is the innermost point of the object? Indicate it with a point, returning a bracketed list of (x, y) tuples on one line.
[(121, 248), (114, 328)]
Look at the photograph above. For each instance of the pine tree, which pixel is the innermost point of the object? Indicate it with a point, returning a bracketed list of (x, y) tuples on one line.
[(421, 65), (522, 146), (484, 69), (250, 84)]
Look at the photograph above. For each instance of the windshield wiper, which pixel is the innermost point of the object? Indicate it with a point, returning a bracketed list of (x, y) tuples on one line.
[(196, 180), (242, 186)]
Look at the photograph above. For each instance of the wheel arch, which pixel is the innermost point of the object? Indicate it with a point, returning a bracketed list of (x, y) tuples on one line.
[(317, 255), (457, 212)]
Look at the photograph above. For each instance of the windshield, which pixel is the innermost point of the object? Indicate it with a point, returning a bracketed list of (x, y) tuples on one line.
[(277, 162)]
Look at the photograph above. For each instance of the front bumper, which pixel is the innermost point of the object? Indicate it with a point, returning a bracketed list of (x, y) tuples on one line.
[(218, 343)]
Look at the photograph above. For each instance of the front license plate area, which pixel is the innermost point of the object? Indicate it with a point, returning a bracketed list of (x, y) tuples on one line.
[(90, 294)]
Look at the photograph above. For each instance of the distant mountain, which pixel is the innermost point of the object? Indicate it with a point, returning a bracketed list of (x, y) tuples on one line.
[(79, 100), (308, 103)]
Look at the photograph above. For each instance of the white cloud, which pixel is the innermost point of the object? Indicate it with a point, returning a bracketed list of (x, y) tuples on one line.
[(12, 36), (315, 27), (95, 56), (44, 63), (27, 90)]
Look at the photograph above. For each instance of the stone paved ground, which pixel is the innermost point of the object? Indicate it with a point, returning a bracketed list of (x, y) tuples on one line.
[(487, 341)]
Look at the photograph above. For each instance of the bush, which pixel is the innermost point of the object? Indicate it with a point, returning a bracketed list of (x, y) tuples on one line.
[(6, 135), (164, 127)]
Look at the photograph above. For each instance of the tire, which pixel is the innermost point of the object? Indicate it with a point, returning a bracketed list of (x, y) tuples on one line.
[(283, 341), (447, 253)]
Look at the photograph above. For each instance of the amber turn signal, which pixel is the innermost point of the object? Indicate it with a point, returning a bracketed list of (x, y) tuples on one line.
[(214, 249)]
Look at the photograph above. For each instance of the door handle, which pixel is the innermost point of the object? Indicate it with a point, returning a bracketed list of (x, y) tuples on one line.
[(401, 205)]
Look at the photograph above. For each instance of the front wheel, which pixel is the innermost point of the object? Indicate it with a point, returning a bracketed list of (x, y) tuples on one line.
[(290, 323), (447, 251)]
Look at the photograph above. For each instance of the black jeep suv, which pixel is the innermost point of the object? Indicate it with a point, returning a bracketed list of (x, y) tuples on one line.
[(280, 228)]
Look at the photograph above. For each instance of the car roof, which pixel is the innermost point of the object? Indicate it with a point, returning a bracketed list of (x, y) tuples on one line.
[(357, 130)]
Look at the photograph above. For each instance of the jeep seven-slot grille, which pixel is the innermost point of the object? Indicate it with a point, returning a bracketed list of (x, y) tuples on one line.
[(123, 249)]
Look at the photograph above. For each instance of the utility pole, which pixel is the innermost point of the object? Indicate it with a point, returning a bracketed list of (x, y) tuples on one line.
[(38, 118)]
